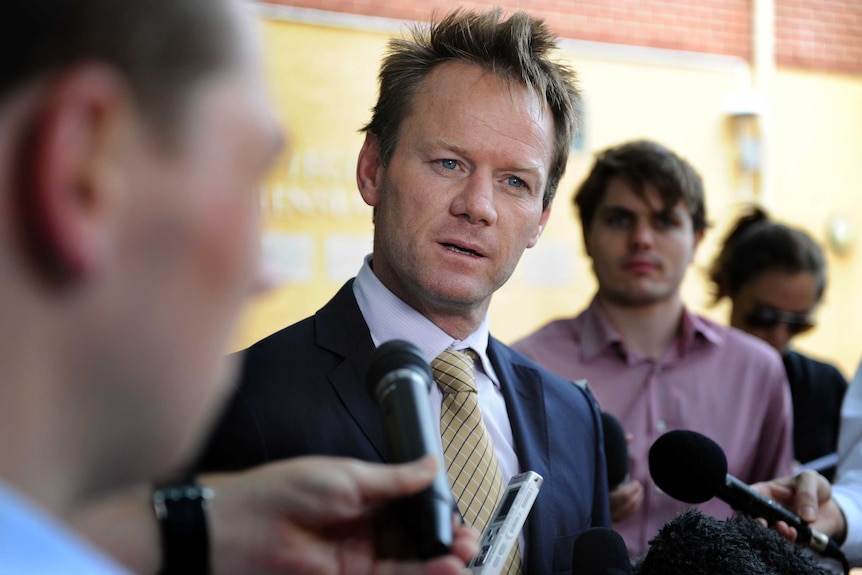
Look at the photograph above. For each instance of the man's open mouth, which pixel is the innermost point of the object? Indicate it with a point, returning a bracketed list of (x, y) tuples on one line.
[(461, 250)]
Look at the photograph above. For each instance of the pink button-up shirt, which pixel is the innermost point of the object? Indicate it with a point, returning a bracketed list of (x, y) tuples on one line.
[(715, 380)]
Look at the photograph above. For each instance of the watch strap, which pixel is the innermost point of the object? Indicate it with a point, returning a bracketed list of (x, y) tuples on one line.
[(181, 511)]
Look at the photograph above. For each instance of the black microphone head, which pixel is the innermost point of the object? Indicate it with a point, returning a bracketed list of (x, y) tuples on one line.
[(687, 465), (616, 450), (390, 356), (600, 551)]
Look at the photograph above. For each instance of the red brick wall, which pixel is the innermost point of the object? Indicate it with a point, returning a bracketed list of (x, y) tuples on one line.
[(819, 34)]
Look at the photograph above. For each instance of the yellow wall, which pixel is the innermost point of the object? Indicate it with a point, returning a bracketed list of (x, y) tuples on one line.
[(818, 173), (324, 82)]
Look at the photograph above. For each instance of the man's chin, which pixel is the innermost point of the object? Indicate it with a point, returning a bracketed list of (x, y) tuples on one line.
[(636, 298)]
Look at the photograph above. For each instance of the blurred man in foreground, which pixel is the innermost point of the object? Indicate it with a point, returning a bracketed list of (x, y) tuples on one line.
[(133, 136)]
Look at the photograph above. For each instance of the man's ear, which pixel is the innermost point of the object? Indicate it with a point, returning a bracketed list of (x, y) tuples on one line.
[(63, 189), (585, 235), (369, 169), (543, 221), (698, 237)]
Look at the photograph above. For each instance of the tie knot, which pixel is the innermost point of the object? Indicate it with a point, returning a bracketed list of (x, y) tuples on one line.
[(454, 371)]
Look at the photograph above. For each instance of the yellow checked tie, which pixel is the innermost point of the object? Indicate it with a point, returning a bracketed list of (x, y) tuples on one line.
[(470, 458)]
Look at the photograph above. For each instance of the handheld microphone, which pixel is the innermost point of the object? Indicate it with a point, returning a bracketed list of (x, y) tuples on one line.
[(600, 551), (399, 378), (692, 468), (616, 450)]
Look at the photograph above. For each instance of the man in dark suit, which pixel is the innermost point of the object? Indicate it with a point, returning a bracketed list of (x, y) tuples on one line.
[(462, 157)]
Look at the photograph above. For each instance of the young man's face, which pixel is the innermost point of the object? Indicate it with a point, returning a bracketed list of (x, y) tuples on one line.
[(461, 197), (640, 249)]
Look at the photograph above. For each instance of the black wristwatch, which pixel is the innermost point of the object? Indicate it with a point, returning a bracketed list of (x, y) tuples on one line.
[(181, 511)]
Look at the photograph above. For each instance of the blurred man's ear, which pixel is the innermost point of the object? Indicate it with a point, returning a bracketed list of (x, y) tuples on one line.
[(64, 183), (585, 232), (698, 236)]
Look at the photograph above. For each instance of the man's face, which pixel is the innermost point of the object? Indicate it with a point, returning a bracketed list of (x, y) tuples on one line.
[(640, 249), (462, 195), (191, 238)]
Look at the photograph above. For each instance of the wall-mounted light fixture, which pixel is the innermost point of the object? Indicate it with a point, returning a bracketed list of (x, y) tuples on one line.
[(744, 107), (840, 233)]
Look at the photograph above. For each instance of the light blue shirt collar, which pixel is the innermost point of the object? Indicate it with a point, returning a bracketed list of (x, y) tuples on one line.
[(33, 542), (388, 317)]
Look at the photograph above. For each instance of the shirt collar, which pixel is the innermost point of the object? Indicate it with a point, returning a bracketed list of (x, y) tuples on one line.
[(597, 333), (389, 317)]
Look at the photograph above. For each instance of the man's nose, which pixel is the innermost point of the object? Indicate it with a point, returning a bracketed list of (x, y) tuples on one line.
[(476, 199), (642, 235), (779, 335)]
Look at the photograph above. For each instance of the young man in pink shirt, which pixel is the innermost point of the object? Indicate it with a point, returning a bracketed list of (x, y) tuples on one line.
[(650, 361)]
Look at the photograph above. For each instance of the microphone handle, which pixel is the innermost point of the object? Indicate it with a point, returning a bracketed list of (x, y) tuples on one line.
[(743, 498), (410, 431)]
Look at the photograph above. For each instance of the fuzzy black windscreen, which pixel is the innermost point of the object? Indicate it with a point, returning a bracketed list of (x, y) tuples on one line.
[(697, 544)]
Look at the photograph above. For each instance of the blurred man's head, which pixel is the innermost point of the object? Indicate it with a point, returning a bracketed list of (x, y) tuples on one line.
[(132, 139)]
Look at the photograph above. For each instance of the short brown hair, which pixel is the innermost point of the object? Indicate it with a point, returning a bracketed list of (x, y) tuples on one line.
[(518, 49), (643, 162), (162, 48)]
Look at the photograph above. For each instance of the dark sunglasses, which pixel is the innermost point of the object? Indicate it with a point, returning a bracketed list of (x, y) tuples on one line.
[(764, 317)]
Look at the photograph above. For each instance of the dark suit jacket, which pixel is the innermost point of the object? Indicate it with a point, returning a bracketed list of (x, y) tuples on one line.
[(817, 389), (303, 391)]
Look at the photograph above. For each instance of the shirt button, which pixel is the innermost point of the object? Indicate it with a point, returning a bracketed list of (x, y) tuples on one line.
[(660, 426)]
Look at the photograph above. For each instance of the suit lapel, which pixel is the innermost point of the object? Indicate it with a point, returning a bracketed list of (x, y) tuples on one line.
[(341, 329), (521, 386)]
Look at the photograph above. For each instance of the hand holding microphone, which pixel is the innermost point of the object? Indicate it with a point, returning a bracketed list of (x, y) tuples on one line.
[(810, 495), (692, 468), (616, 450), (625, 495)]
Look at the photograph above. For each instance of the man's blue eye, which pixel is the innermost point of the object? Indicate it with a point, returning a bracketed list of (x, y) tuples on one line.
[(517, 182), (449, 164)]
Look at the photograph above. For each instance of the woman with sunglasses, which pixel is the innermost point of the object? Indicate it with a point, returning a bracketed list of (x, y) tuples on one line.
[(775, 276)]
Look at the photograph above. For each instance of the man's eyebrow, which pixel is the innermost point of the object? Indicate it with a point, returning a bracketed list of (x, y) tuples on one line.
[(616, 209), (460, 150)]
